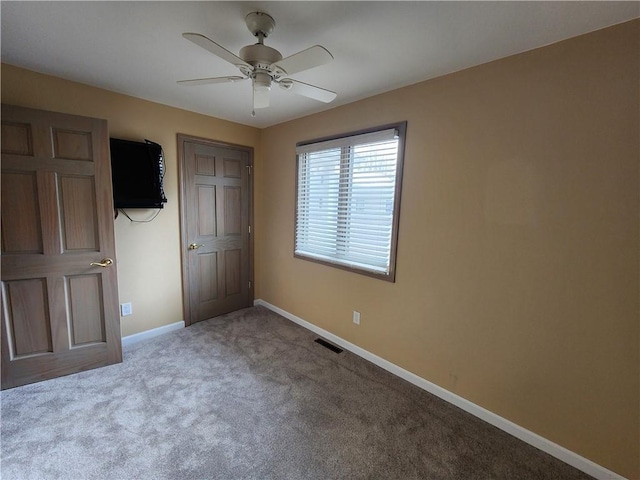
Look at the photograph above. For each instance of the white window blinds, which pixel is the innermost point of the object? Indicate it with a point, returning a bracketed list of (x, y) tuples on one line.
[(346, 198)]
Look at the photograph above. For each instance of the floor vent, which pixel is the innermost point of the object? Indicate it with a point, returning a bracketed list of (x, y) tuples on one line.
[(328, 345)]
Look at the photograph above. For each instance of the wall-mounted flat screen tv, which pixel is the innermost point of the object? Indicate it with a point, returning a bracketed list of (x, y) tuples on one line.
[(137, 171)]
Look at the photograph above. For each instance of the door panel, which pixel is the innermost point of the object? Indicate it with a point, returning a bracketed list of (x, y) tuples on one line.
[(72, 145), (86, 312), (232, 168), (215, 218), (232, 210), (59, 312), (233, 271), (18, 138), (28, 314), (208, 271), (20, 214), (206, 209), (205, 165), (78, 212)]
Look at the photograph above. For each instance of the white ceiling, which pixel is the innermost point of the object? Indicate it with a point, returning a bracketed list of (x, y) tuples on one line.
[(136, 48)]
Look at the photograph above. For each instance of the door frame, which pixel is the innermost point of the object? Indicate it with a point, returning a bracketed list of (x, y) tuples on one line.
[(182, 138)]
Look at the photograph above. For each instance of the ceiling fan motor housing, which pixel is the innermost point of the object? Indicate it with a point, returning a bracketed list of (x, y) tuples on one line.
[(260, 56)]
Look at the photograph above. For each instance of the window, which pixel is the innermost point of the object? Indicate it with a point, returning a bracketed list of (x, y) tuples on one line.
[(348, 200)]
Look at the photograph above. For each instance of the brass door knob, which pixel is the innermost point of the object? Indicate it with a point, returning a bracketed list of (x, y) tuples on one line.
[(106, 262), (195, 246)]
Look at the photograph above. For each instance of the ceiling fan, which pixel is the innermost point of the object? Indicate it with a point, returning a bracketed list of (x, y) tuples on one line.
[(264, 65)]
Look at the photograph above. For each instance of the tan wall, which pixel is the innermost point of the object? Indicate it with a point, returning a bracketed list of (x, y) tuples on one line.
[(517, 275), (148, 254)]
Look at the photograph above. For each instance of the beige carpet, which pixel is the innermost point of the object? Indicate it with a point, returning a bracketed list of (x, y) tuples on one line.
[(250, 396)]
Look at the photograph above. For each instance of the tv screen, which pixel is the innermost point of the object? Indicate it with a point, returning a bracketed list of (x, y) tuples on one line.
[(137, 170)]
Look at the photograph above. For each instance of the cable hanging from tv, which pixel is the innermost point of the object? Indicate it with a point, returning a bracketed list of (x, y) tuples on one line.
[(121, 210)]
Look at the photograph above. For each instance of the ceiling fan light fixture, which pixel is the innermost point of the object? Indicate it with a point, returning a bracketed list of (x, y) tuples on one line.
[(262, 80), (261, 88)]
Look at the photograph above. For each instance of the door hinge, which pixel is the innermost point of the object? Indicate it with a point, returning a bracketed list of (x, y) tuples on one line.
[(249, 283), (249, 229)]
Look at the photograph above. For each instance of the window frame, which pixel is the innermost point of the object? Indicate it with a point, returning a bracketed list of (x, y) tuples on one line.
[(401, 128)]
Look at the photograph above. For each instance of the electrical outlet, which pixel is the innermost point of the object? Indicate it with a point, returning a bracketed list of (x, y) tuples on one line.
[(356, 317), (126, 309)]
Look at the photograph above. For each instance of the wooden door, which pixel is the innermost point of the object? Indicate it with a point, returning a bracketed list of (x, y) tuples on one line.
[(59, 306), (215, 198)]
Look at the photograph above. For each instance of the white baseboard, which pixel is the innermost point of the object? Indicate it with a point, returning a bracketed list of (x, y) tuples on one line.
[(154, 332), (527, 436)]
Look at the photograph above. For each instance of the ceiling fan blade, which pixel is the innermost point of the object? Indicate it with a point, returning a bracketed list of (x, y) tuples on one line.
[(214, 48), (304, 60), (306, 90), (208, 81)]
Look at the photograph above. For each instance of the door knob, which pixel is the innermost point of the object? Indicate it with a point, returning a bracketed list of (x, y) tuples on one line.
[(195, 246), (106, 262)]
